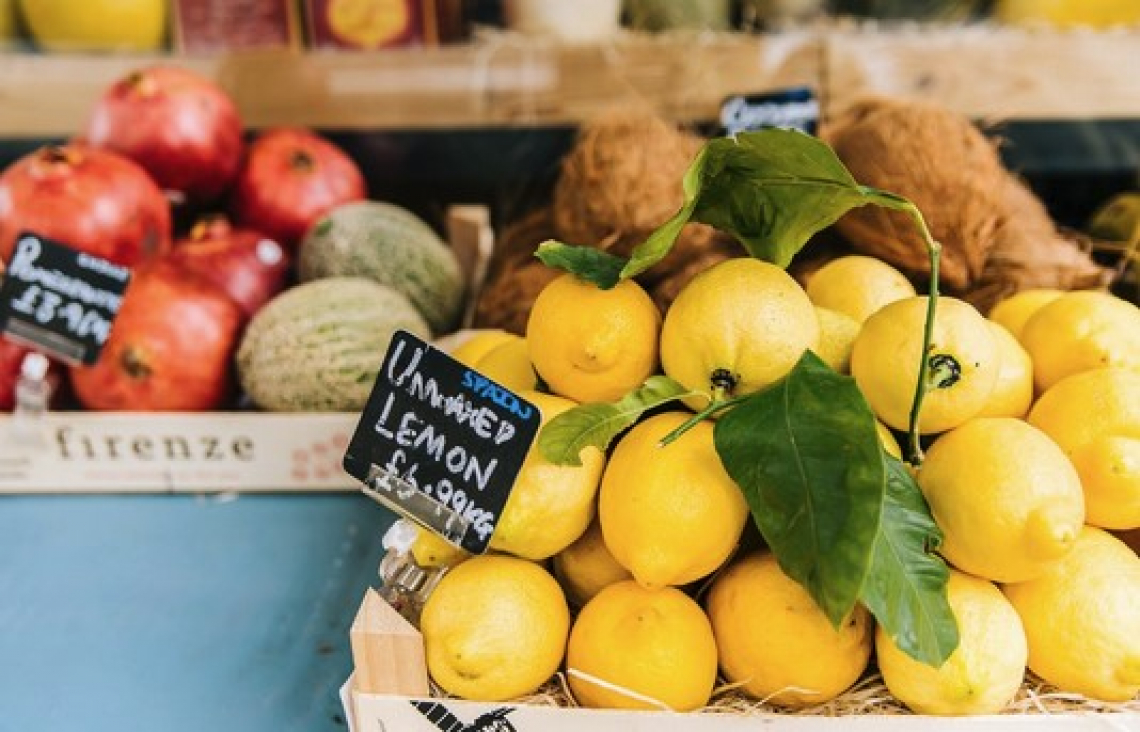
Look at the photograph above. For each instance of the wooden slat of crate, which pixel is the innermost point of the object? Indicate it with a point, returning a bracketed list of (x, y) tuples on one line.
[(989, 72)]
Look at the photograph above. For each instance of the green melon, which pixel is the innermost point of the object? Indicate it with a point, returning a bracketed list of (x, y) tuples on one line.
[(389, 244), (317, 347)]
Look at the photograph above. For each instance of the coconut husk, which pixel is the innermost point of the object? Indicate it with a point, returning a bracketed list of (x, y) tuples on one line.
[(515, 277), (997, 236), (507, 301), (622, 179), (941, 162), (1030, 252)]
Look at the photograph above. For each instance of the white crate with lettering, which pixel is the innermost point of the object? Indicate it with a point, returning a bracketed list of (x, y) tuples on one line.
[(189, 452), (77, 452)]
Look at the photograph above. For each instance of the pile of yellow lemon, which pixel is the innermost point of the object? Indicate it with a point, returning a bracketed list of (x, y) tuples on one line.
[(638, 576)]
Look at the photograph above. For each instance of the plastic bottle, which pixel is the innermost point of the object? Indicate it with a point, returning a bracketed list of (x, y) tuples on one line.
[(405, 583), (33, 395)]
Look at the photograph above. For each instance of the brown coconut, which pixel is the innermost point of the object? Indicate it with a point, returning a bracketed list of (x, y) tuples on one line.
[(938, 160), (622, 179), (997, 237), (506, 303), (515, 277), (1030, 252), (619, 183)]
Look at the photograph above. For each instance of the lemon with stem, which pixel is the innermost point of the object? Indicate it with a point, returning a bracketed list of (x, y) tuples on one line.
[(735, 328)]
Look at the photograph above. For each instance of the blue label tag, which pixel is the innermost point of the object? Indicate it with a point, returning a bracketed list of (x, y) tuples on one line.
[(440, 443), (795, 108)]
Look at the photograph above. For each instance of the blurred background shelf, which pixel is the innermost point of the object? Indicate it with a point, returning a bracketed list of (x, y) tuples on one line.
[(487, 121), (504, 80)]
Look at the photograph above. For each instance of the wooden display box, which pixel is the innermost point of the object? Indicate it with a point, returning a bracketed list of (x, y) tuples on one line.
[(383, 713), (380, 643)]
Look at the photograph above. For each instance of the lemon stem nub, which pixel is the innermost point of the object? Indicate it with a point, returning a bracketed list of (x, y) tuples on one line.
[(945, 371), (723, 383)]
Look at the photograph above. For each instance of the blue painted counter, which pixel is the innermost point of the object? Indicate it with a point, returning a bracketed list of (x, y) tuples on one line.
[(173, 613)]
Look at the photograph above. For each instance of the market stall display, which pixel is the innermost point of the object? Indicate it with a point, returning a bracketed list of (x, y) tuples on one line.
[(827, 425)]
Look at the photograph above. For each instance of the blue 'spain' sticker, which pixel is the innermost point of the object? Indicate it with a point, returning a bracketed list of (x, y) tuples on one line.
[(441, 443)]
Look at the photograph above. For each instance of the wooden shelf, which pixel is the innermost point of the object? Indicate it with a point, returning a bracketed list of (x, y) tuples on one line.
[(505, 80), (990, 72)]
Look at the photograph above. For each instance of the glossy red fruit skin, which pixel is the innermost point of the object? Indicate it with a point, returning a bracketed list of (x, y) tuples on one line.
[(249, 267), (291, 178), (181, 127), (171, 347), (92, 200)]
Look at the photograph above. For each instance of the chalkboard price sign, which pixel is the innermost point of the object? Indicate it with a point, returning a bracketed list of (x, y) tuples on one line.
[(793, 108), (440, 443), (60, 300)]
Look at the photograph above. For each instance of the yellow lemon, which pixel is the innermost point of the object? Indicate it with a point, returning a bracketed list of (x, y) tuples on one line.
[(963, 363), (1082, 619), (470, 345), (636, 648), (508, 364), (7, 20), (368, 23), (984, 672), (837, 333), (431, 550), (857, 286), (1013, 393), (590, 344), (1095, 417), (670, 515), (1008, 501), (96, 25), (774, 640), (1015, 310), (1079, 331), (587, 567), (550, 505), (1068, 13), (494, 628), (737, 327), (890, 444)]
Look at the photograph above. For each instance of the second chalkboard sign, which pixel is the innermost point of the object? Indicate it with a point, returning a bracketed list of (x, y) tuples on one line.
[(59, 299), (441, 443)]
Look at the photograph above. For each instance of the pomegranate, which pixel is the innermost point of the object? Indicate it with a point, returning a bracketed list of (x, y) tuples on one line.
[(249, 267), (92, 200), (291, 178), (181, 127), (171, 348)]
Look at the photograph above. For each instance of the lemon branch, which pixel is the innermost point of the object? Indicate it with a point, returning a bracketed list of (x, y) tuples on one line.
[(715, 407), (934, 251)]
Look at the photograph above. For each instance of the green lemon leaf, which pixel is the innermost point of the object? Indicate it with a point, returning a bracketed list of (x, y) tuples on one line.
[(772, 189), (906, 587), (564, 437), (806, 453), (589, 263)]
